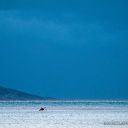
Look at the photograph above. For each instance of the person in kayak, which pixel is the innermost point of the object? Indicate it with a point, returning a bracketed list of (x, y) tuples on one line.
[(42, 108)]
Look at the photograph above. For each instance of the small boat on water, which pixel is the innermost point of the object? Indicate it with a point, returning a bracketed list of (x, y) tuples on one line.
[(42, 108)]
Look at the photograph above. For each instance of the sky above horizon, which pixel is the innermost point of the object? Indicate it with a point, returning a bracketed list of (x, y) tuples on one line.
[(65, 49)]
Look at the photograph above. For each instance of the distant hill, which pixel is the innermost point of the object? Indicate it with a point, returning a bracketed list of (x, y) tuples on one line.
[(12, 94)]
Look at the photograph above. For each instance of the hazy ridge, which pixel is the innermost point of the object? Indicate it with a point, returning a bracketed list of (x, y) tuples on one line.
[(12, 94)]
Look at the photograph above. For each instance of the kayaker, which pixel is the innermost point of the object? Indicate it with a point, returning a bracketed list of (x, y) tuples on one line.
[(42, 108)]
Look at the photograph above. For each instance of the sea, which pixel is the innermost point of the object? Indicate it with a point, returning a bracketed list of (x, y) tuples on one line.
[(64, 114)]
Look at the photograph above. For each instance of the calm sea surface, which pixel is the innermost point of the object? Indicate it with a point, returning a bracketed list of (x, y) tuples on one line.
[(64, 114)]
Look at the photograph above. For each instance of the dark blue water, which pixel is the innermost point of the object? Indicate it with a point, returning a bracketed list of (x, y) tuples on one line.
[(80, 103)]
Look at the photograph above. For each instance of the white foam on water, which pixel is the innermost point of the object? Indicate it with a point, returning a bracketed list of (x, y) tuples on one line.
[(63, 116)]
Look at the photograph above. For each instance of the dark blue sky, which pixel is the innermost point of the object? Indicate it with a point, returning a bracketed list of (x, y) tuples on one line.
[(65, 49)]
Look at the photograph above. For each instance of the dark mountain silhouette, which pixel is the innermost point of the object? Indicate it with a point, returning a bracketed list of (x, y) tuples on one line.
[(12, 94)]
